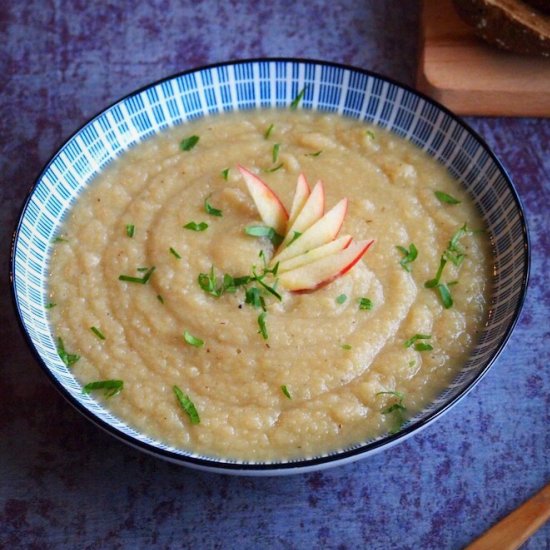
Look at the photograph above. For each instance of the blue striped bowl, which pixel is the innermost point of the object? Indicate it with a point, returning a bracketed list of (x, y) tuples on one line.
[(269, 84)]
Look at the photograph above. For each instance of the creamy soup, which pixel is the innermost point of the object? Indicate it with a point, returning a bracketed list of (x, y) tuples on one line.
[(319, 371)]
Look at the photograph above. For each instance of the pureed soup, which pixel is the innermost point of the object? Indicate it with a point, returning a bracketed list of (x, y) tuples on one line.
[(167, 306)]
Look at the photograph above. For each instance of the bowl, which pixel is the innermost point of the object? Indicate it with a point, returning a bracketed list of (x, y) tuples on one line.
[(270, 83)]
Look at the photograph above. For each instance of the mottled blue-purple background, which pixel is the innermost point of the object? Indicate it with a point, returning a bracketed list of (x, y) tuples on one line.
[(64, 483)]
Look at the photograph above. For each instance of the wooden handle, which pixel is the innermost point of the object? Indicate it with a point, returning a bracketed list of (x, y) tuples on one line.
[(511, 532)]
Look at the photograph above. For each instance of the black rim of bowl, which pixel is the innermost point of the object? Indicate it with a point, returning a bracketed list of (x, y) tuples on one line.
[(302, 464)]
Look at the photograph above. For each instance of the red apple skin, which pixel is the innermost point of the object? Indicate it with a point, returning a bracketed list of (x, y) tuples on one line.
[(342, 271), (270, 207)]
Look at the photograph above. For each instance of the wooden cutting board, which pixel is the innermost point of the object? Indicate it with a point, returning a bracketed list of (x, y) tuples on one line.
[(473, 78)]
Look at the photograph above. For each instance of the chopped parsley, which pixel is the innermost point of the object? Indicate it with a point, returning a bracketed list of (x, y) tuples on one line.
[(188, 143), (68, 358), (275, 152), (192, 340), (254, 298), (209, 209), (225, 174), (263, 231), (444, 197), (396, 409), (160, 298), (262, 325), (408, 256), (284, 389), (59, 240), (49, 305), (275, 168), (98, 333), (296, 101), (187, 405), (415, 338), (370, 134), (140, 280), (445, 295), (345, 346), (268, 131), (454, 254), (111, 387), (365, 304), (316, 154), (209, 283), (341, 299), (130, 230), (175, 253), (423, 346), (294, 237), (194, 226)]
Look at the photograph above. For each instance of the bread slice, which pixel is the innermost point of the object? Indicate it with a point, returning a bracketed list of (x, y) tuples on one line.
[(510, 24)]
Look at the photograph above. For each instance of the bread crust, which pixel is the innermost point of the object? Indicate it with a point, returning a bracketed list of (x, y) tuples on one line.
[(509, 24)]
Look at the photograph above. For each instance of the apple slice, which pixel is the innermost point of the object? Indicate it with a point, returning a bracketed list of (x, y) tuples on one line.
[(321, 232), (323, 271), (300, 197), (270, 207), (316, 254), (311, 212)]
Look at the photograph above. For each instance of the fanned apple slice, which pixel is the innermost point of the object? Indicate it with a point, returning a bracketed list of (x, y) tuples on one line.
[(300, 197), (311, 212), (321, 232), (315, 254), (323, 271), (270, 207)]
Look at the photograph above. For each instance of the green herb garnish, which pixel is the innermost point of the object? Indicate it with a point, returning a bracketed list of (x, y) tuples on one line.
[(187, 405), (225, 174), (445, 295), (412, 340), (297, 99), (262, 325), (345, 346), (365, 304), (59, 240), (408, 256), (254, 298), (49, 305), (275, 152), (140, 280), (435, 281), (278, 167), (209, 209), (160, 298), (316, 154), (268, 131), (194, 226), (209, 283), (341, 299), (111, 387), (192, 340), (370, 134), (68, 358), (284, 389), (444, 197), (130, 230), (175, 253), (98, 333), (396, 409), (263, 231), (188, 143), (294, 237)]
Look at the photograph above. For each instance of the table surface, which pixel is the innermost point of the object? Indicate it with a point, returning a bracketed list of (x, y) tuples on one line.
[(64, 483)]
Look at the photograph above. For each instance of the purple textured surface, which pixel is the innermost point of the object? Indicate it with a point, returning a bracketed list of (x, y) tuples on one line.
[(64, 483)]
